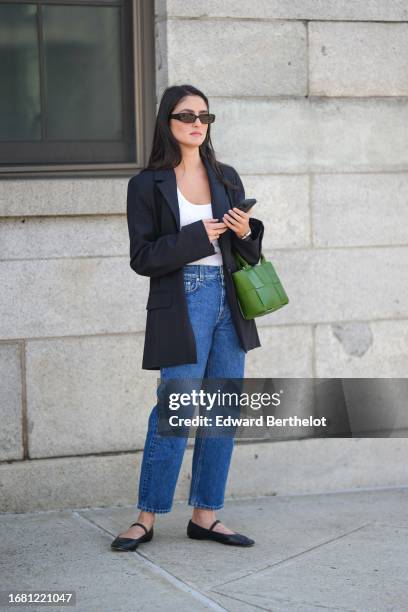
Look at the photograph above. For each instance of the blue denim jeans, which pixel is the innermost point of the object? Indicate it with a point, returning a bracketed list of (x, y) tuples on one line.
[(219, 355)]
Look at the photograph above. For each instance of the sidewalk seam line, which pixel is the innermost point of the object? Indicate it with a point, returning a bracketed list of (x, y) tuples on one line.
[(171, 578), (291, 557)]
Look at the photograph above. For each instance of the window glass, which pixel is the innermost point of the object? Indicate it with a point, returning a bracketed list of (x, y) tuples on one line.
[(82, 72), (20, 106)]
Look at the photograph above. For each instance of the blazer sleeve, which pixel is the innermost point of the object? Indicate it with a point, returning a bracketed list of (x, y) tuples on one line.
[(251, 248), (154, 256)]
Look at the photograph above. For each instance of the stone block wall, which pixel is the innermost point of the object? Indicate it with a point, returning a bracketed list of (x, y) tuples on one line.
[(312, 110)]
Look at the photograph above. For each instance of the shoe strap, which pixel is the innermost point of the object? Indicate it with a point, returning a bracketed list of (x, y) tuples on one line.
[(214, 524), (140, 524)]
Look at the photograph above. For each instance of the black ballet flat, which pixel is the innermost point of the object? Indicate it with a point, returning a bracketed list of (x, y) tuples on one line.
[(130, 544), (196, 532)]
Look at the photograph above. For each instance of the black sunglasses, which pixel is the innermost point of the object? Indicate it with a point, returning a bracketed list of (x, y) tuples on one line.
[(191, 117)]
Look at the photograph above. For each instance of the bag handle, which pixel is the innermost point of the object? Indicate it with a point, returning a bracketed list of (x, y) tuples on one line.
[(244, 265)]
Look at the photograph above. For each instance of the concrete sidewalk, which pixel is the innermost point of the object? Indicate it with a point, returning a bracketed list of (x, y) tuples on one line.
[(339, 551)]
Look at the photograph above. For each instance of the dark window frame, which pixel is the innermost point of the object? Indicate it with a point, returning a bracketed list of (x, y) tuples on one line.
[(143, 87)]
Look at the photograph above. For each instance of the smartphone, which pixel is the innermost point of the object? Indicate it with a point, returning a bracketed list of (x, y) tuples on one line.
[(246, 204)]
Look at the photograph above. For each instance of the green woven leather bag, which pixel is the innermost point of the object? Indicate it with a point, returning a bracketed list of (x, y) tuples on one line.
[(258, 288)]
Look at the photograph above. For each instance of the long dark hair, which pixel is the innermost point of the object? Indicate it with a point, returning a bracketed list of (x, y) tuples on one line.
[(166, 151)]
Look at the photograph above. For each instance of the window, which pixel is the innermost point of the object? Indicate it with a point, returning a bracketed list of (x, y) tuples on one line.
[(70, 99)]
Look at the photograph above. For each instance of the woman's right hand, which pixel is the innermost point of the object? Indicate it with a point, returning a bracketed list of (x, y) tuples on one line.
[(214, 228)]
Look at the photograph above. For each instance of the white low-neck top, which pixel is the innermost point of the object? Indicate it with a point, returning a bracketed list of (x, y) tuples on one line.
[(189, 213)]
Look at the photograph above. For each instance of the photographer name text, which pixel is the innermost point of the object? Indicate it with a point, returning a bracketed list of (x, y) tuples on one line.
[(259, 421)]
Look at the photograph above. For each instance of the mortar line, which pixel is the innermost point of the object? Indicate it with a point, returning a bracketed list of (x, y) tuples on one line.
[(240, 441), (279, 496), (306, 23), (24, 415), (305, 18), (271, 326), (285, 249)]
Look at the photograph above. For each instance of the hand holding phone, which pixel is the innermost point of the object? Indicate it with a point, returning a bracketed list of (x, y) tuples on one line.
[(246, 204), (236, 222)]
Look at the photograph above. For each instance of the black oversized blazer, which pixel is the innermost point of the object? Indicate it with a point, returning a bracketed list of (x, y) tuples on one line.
[(159, 249)]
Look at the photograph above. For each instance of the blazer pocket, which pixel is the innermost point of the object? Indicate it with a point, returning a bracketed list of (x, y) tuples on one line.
[(159, 300)]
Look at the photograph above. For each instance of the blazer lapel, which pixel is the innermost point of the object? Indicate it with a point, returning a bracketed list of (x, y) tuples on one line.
[(219, 199), (166, 182)]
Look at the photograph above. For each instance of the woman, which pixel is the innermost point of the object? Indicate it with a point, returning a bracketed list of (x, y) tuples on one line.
[(183, 226)]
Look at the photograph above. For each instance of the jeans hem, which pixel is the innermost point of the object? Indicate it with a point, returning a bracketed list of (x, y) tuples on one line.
[(197, 505), (148, 509)]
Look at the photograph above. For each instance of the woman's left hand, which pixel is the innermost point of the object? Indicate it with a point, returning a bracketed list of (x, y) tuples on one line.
[(237, 220)]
